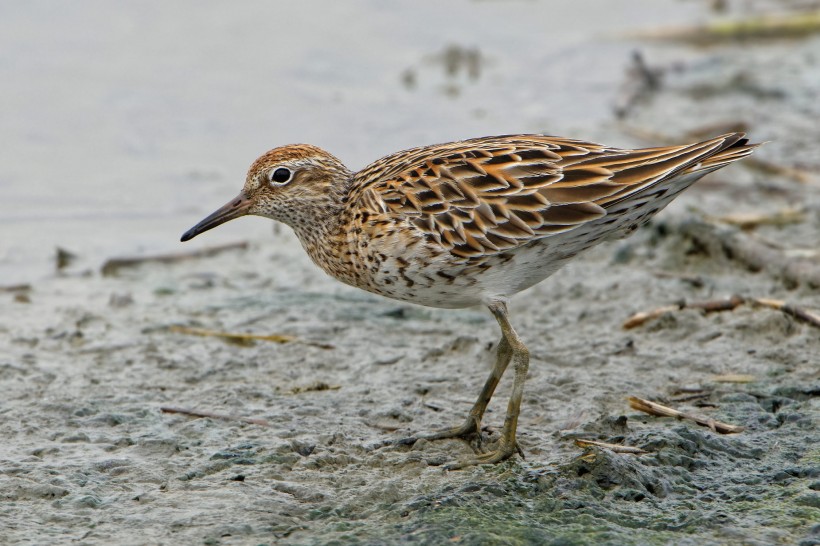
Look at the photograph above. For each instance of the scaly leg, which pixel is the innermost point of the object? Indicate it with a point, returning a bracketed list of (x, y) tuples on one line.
[(473, 423), (520, 357)]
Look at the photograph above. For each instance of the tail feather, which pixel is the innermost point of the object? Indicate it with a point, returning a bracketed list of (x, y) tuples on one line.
[(637, 207), (727, 154)]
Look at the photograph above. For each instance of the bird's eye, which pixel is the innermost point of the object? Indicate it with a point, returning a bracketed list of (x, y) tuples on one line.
[(280, 176)]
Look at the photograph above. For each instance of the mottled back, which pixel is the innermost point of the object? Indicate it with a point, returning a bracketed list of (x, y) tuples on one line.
[(488, 195)]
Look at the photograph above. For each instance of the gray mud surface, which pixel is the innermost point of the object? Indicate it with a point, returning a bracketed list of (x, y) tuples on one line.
[(87, 362)]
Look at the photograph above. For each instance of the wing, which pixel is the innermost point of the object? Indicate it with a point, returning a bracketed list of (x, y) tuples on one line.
[(489, 195)]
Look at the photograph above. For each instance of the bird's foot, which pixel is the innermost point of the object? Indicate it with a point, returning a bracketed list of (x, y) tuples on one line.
[(468, 430), (504, 451)]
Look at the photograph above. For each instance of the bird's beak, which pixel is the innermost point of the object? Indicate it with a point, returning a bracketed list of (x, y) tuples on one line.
[(234, 208)]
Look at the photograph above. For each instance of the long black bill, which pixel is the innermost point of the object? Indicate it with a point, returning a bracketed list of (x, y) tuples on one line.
[(233, 209)]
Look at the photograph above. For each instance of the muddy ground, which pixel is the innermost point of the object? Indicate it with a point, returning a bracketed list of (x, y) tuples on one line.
[(87, 362)]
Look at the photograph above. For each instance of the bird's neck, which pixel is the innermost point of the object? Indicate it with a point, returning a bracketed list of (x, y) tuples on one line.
[(322, 228)]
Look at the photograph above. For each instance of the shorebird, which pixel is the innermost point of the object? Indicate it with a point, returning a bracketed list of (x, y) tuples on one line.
[(469, 223)]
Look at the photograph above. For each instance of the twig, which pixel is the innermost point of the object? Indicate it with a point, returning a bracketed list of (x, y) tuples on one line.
[(16, 288), (640, 83), (767, 167), (800, 313), (753, 253), (245, 339), (782, 26), (795, 311), (653, 408), (64, 258), (726, 304), (210, 415), (694, 280), (751, 220), (643, 317), (315, 386), (233, 337), (617, 448), (734, 378), (113, 265), (788, 251)]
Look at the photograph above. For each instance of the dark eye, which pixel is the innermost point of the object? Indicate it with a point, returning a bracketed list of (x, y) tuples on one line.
[(280, 175)]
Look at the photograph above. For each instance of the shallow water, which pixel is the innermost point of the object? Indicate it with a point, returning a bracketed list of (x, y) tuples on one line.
[(125, 123)]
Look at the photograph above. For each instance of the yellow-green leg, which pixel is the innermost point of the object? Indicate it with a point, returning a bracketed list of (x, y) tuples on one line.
[(510, 349), (472, 425), (520, 358)]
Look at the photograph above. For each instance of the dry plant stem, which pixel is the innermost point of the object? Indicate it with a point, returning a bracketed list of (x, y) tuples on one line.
[(641, 81), (16, 288), (734, 378), (653, 408), (800, 313), (210, 415), (747, 221), (770, 26), (709, 306), (231, 336), (754, 254), (643, 317), (617, 448), (694, 280), (766, 167), (244, 339), (315, 387), (113, 265)]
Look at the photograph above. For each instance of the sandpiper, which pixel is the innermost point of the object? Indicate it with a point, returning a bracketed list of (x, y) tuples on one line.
[(470, 222)]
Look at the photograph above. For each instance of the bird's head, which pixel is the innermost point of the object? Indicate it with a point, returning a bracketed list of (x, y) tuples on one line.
[(297, 184)]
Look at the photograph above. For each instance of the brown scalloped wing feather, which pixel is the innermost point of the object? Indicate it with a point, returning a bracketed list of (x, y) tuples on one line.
[(488, 195)]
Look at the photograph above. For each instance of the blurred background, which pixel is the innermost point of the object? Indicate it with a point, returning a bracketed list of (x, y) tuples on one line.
[(124, 123)]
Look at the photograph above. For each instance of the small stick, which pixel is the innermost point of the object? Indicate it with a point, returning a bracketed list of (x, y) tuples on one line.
[(210, 415), (316, 386), (734, 378), (694, 280), (16, 288), (641, 81), (113, 265), (645, 316), (751, 220), (231, 336), (753, 28), (653, 408), (800, 313), (708, 306), (617, 448), (755, 254), (246, 339), (767, 167)]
